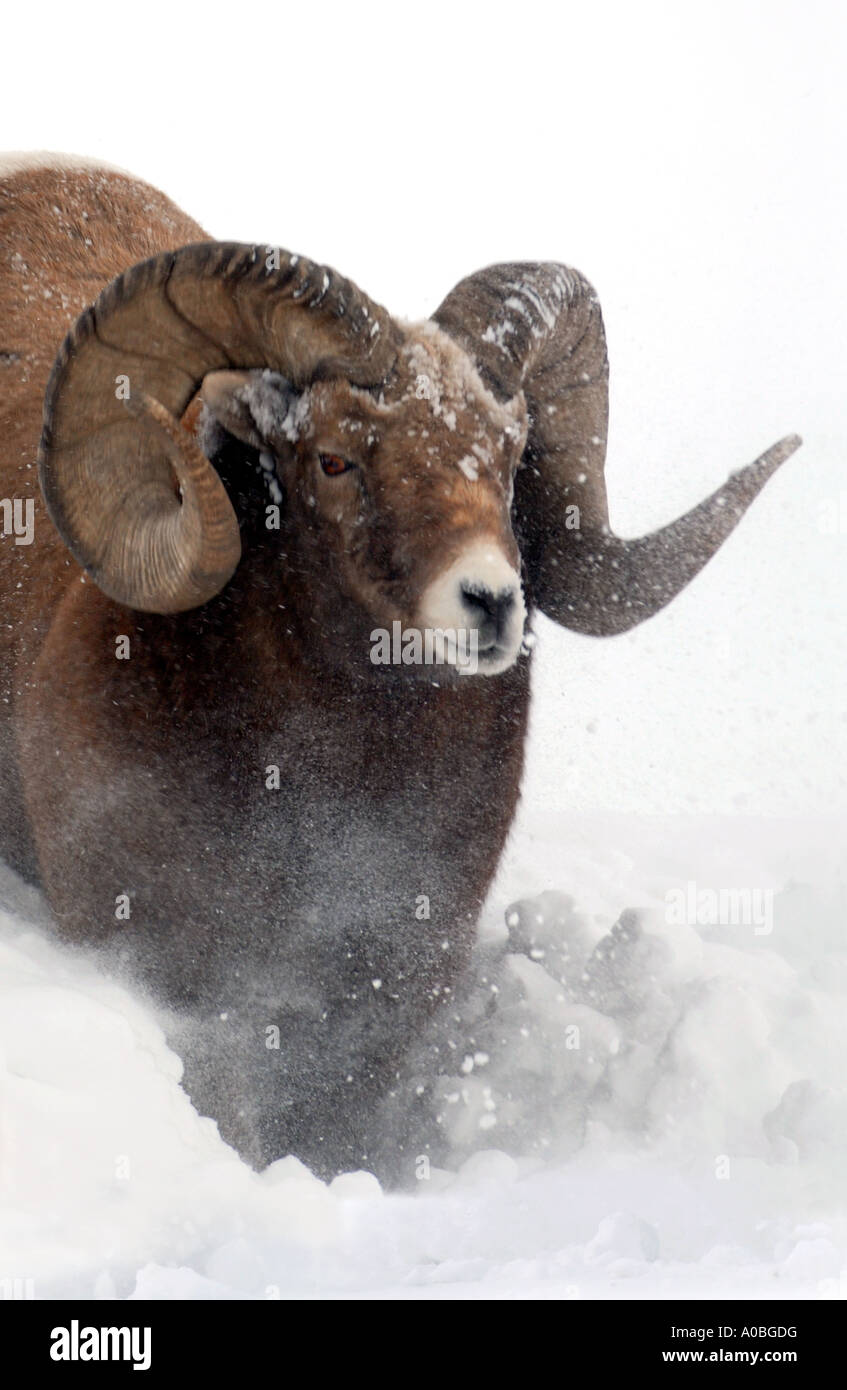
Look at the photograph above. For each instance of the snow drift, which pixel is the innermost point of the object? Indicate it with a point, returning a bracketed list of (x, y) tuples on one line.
[(619, 1108)]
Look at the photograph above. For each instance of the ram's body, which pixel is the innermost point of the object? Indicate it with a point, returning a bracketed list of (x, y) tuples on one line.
[(336, 903), (254, 907)]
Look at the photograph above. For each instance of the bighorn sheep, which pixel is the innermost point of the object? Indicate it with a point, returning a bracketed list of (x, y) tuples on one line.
[(248, 468)]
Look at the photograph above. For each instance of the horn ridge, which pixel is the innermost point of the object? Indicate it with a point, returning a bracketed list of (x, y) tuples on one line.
[(148, 341)]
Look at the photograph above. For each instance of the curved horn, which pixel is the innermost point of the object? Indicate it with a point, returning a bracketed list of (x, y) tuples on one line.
[(538, 328), (133, 497)]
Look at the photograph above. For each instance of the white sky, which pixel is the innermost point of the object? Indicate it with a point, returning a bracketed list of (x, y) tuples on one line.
[(690, 159)]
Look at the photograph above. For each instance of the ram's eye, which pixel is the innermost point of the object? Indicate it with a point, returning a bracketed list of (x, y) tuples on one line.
[(333, 464)]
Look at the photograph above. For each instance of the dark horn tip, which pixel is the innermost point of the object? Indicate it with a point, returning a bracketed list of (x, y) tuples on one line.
[(771, 459), (780, 451)]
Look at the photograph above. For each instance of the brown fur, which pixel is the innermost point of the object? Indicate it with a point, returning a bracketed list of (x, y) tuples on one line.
[(64, 234)]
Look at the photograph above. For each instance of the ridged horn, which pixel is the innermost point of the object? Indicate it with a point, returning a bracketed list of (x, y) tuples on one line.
[(538, 329), (133, 497)]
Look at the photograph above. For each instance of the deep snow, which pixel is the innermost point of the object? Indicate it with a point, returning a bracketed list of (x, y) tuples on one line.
[(692, 1142)]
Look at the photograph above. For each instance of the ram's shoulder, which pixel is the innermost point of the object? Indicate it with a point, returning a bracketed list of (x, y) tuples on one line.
[(69, 207)]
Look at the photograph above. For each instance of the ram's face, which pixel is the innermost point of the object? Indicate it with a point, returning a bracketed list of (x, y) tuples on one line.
[(403, 498)]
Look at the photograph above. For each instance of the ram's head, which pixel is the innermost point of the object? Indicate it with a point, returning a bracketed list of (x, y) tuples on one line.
[(431, 473), (399, 495)]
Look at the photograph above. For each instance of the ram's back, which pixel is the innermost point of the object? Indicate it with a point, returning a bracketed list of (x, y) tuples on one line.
[(66, 229)]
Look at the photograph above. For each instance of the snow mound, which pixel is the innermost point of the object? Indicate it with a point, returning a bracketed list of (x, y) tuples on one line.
[(614, 1108)]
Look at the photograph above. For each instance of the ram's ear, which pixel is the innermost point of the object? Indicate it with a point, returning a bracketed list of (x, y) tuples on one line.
[(225, 395), (256, 407)]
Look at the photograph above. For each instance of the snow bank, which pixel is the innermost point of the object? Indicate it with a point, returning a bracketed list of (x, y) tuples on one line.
[(648, 1108)]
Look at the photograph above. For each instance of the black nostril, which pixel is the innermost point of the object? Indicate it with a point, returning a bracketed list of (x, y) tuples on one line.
[(487, 609)]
